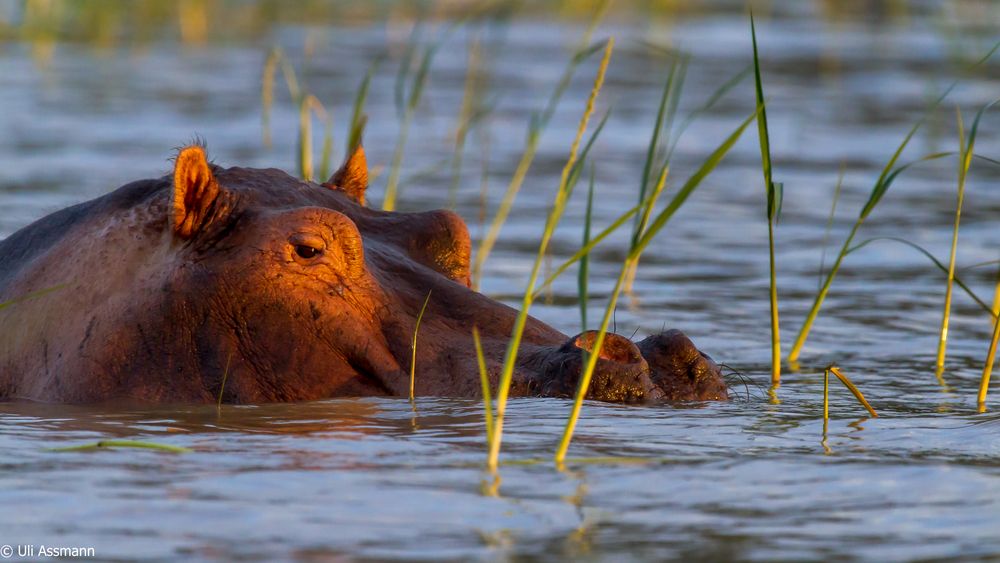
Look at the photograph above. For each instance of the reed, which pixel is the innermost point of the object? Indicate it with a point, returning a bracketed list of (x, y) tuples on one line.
[(638, 245), (225, 376), (358, 117), (853, 389), (484, 380), (407, 104), (583, 275), (555, 214), (995, 308), (109, 444), (307, 104), (539, 122), (774, 197), (885, 180), (413, 346), (471, 111), (984, 382), (966, 151)]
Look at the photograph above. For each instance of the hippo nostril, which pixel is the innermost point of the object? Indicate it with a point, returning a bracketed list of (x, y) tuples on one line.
[(615, 348)]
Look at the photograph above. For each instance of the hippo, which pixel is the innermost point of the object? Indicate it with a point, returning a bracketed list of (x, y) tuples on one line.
[(245, 285)]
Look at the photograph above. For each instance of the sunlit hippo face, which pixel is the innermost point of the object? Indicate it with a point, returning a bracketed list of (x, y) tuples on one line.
[(252, 286)]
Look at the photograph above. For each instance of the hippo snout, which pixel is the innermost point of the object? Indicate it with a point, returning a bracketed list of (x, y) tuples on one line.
[(680, 370), (663, 367)]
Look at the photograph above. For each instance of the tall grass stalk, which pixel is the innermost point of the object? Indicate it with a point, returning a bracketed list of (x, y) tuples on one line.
[(539, 122), (669, 100), (469, 113), (878, 191), (307, 105), (889, 173), (413, 347), (996, 297), (358, 117), (555, 214), (829, 225), (410, 109), (484, 380), (583, 276), (984, 382), (225, 376), (650, 230), (966, 151), (774, 194)]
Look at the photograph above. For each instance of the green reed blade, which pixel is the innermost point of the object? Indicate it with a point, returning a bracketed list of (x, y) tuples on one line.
[(692, 183), (966, 150), (484, 380), (774, 196), (829, 226), (591, 357), (358, 118), (413, 347), (854, 390), (106, 444), (587, 248), (555, 214), (583, 274), (930, 257), (225, 376), (535, 129), (984, 382), (635, 252), (267, 95)]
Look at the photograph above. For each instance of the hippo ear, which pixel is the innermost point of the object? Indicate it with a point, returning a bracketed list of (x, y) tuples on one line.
[(352, 178), (195, 190)]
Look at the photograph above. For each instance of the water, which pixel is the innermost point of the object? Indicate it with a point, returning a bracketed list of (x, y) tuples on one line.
[(372, 478)]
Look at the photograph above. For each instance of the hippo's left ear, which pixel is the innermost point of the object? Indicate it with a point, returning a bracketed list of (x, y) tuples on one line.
[(195, 191), (352, 177)]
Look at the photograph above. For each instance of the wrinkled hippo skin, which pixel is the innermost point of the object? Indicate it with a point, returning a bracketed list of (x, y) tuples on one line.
[(263, 288)]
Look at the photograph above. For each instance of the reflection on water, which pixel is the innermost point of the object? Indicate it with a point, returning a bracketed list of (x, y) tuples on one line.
[(92, 99)]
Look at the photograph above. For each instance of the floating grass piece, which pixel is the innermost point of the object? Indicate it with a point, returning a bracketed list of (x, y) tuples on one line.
[(555, 214), (31, 295), (984, 382), (853, 389), (413, 358), (966, 150), (774, 196), (584, 273), (108, 444), (536, 127), (889, 173), (635, 252), (484, 380)]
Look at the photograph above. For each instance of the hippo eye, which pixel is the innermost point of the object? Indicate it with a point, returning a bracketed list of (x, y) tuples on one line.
[(306, 251)]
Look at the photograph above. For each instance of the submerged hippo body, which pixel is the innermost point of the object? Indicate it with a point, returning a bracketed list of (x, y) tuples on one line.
[(253, 286)]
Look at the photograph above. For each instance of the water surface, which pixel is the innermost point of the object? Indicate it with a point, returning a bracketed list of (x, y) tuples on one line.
[(374, 478)]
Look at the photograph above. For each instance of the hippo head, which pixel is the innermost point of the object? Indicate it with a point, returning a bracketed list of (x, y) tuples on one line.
[(251, 286), (305, 293)]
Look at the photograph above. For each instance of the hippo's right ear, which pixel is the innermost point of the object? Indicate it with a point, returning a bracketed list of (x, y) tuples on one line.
[(352, 177), (195, 191)]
